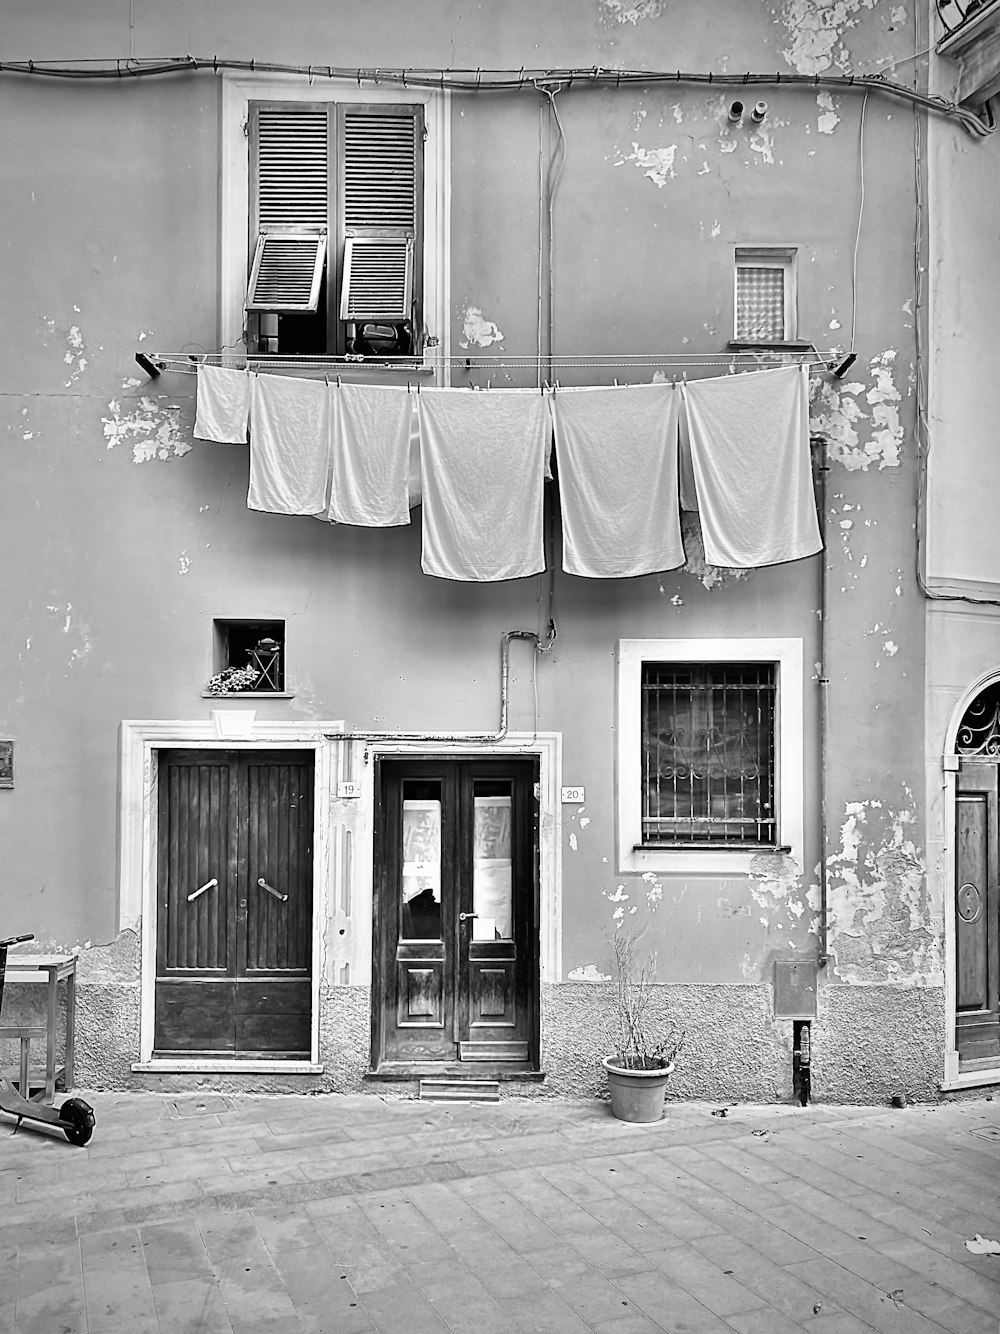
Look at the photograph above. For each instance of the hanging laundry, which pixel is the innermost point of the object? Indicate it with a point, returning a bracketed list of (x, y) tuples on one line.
[(482, 459), (752, 470), (370, 455), (289, 445), (616, 456), (223, 405)]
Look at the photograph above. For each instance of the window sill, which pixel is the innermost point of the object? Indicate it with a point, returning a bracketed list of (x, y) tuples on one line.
[(717, 861), (168, 1066), (768, 345), (249, 694)]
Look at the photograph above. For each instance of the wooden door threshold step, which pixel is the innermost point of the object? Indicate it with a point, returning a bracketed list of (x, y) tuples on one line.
[(459, 1090), (495, 1071)]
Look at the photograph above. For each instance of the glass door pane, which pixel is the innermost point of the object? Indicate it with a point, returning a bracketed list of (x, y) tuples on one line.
[(420, 883), (492, 888)]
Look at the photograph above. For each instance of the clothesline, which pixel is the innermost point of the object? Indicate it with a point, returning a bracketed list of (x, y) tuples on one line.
[(186, 363), (630, 457)]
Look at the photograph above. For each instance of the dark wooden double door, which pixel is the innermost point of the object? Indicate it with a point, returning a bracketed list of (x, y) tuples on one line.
[(456, 933), (234, 904), (977, 913)]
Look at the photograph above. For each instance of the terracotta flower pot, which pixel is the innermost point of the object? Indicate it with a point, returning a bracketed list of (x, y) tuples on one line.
[(637, 1095)]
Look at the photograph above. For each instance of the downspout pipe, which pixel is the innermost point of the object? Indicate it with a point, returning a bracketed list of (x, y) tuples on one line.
[(823, 684)]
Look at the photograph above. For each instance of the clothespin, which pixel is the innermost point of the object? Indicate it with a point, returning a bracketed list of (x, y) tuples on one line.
[(338, 381)]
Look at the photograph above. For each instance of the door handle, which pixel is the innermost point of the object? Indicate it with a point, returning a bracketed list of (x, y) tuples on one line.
[(209, 884), (271, 890), (466, 916)]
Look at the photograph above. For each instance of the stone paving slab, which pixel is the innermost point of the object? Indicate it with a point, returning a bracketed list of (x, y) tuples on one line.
[(218, 1214)]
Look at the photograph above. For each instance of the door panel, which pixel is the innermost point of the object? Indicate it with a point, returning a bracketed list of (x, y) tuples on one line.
[(977, 974), (234, 921), (457, 934)]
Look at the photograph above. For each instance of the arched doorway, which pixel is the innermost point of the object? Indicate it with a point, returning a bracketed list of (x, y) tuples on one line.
[(977, 882)]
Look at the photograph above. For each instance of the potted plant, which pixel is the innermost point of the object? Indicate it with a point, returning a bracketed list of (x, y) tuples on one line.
[(233, 680), (644, 1049)]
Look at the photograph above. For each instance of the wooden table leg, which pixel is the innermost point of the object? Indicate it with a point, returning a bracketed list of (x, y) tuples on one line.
[(50, 1040), (69, 1069)]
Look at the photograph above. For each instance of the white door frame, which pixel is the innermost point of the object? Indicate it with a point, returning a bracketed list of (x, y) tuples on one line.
[(954, 1078), (227, 729)]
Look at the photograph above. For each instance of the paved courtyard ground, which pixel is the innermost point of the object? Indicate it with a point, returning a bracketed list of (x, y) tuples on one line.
[(251, 1215)]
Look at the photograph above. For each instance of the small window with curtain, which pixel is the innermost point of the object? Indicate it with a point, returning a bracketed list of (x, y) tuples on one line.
[(708, 754), (765, 295), (336, 208)]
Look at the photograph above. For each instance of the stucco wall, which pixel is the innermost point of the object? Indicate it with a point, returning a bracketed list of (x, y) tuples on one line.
[(129, 536)]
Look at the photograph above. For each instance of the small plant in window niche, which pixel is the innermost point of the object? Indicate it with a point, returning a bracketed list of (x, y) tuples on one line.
[(231, 680)]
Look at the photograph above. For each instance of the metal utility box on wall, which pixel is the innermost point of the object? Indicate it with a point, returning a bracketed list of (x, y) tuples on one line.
[(795, 989)]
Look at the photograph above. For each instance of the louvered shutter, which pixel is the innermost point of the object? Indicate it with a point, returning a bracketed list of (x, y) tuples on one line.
[(291, 191), (381, 164)]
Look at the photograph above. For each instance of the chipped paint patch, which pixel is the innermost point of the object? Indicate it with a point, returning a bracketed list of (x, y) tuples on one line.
[(183, 563), (827, 120), (880, 921), (572, 842), (816, 32), (588, 973), (153, 430), (655, 163), (836, 414), (71, 626), (632, 11), (478, 330)]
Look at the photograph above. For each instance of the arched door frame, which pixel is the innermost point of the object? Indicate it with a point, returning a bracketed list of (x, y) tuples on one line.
[(953, 1078)]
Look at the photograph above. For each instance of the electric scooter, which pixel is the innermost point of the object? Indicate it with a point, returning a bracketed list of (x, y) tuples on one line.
[(75, 1117)]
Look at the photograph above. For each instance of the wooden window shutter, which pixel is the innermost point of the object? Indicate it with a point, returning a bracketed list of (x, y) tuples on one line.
[(290, 194), (381, 183)]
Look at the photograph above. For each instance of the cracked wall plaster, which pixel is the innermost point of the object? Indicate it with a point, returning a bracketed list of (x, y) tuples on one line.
[(632, 11), (817, 30), (153, 429), (881, 928), (837, 414)]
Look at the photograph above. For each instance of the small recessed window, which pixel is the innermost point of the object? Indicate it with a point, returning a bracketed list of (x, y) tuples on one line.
[(765, 295), (248, 656)]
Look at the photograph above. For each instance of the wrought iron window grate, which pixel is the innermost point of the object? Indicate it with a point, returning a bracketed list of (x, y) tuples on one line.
[(708, 754)]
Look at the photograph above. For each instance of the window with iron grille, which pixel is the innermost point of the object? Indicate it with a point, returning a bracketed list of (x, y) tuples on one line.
[(708, 754), (765, 295), (336, 244)]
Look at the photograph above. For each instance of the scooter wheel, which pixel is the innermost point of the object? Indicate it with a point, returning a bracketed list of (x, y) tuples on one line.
[(81, 1116)]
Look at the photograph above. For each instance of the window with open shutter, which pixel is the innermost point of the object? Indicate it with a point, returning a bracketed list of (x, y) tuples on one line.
[(336, 202)]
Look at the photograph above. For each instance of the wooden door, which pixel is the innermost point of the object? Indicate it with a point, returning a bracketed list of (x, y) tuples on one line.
[(234, 903), (977, 913), (456, 912)]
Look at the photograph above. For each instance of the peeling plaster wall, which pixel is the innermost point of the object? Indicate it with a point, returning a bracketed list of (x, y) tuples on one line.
[(129, 536)]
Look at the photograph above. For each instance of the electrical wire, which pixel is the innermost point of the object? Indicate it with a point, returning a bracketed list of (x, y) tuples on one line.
[(476, 81)]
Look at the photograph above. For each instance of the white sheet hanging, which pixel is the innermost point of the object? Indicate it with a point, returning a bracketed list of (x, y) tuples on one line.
[(370, 455), (752, 470), (223, 405), (289, 445), (616, 453), (482, 460)]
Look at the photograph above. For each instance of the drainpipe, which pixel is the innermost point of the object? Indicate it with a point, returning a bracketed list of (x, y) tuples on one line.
[(823, 682)]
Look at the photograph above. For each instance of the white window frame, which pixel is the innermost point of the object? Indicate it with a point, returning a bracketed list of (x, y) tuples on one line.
[(769, 257), (238, 91), (786, 655)]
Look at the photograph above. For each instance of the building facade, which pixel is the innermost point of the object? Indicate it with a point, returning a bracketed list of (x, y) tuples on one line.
[(407, 848)]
